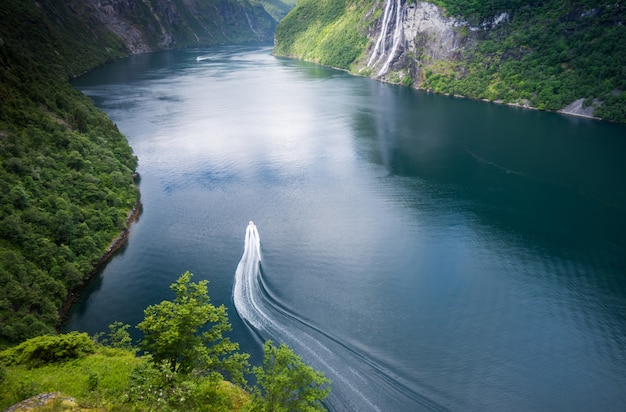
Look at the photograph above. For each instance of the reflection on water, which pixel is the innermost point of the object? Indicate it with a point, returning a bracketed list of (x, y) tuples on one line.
[(427, 252)]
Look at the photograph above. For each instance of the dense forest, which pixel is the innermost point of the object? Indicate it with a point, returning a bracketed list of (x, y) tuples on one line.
[(544, 54), (66, 172)]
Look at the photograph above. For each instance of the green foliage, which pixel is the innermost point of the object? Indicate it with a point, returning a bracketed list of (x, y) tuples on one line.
[(65, 170), (478, 10), (548, 55), (97, 380), (111, 377), (324, 31), (48, 349), (118, 337), (288, 384), (187, 333), (154, 386), (276, 8)]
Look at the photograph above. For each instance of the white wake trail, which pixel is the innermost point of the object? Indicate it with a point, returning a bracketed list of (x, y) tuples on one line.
[(271, 322)]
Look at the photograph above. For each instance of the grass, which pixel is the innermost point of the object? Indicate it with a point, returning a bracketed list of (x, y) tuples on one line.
[(95, 381)]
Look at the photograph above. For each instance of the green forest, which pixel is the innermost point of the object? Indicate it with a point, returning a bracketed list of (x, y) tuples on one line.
[(186, 364), (547, 55), (66, 174)]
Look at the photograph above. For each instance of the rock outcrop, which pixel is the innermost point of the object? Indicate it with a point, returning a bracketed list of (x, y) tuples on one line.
[(412, 35), (145, 26)]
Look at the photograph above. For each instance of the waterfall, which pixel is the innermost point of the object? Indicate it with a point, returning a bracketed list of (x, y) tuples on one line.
[(392, 20), (381, 37)]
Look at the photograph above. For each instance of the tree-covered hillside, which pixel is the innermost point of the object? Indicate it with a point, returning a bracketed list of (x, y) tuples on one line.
[(329, 32), (66, 172), (545, 54)]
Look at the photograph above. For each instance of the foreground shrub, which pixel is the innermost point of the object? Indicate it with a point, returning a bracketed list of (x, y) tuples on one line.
[(49, 349)]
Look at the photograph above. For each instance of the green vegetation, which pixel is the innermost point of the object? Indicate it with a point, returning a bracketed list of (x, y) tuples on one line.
[(66, 182), (182, 369), (48, 349), (546, 55), (326, 32), (277, 8), (187, 334), (286, 383)]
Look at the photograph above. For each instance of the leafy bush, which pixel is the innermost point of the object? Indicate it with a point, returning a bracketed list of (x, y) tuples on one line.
[(182, 374), (154, 386), (286, 383), (49, 349), (188, 333)]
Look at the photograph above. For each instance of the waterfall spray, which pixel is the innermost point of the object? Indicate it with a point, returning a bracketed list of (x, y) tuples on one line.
[(397, 35), (381, 37), (393, 10)]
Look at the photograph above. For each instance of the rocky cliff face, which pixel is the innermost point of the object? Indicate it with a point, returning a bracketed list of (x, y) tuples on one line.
[(413, 36), (161, 24), (409, 31)]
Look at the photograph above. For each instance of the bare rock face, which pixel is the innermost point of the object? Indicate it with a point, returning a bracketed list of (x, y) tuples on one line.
[(145, 26), (407, 34), (411, 36), (115, 16), (46, 401), (431, 34), (577, 108)]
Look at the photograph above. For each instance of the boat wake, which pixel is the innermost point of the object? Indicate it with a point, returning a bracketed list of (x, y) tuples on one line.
[(353, 387)]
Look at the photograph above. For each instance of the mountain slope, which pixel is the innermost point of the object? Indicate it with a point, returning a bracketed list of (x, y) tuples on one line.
[(544, 54), (66, 172)]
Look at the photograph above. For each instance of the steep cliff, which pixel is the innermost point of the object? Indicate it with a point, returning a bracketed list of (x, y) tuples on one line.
[(158, 24), (547, 54)]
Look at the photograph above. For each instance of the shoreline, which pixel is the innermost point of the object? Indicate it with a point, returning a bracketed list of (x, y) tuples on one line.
[(114, 247), (567, 110)]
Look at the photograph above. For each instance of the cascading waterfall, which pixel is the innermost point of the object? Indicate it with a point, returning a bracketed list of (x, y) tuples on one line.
[(381, 38), (393, 10), (351, 389)]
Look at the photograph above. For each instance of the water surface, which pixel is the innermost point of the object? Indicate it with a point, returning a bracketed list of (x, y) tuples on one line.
[(426, 252)]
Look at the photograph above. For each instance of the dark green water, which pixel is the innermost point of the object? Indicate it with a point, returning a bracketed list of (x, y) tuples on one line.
[(426, 252)]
